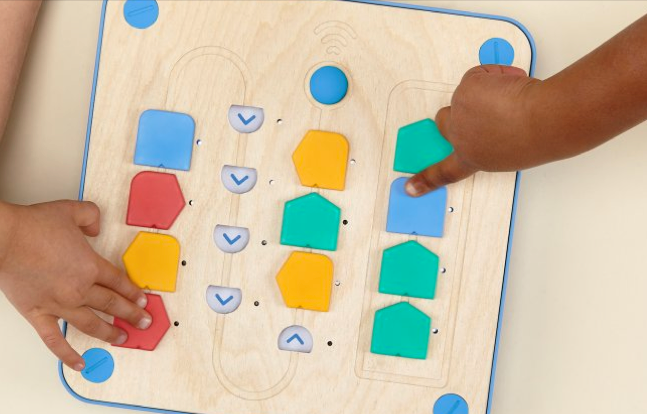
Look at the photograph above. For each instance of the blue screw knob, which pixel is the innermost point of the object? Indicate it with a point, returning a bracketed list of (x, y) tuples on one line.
[(141, 14), (451, 404), (99, 365), (496, 51)]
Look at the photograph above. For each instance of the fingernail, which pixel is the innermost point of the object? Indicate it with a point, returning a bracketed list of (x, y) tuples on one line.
[(79, 367), (142, 301), (145, 322), (123, 337), (413, 188)]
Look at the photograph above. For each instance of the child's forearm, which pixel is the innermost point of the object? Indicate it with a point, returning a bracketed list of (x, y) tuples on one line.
[(599, 96), (16, 23)]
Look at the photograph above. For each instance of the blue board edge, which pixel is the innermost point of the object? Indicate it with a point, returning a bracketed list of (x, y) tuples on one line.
[(533, 55)]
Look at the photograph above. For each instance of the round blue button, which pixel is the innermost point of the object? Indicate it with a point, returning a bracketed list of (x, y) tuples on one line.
[(141, 14), (99, 365), (496, 51), (451, 404), (328, 85)]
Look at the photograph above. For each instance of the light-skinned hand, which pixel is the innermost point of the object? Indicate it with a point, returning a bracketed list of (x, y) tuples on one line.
[(48, 270)]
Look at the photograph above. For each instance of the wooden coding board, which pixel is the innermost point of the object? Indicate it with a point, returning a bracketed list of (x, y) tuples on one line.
[(234, 80)]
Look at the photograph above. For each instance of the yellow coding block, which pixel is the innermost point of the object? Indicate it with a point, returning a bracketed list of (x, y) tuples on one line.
[(151, 261), (305, 281), (321, 160)]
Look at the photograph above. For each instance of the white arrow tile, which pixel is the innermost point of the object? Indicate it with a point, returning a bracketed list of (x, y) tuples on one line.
[(246, 119), (230, 239), (238, 180), (295, 338), (223, 299)]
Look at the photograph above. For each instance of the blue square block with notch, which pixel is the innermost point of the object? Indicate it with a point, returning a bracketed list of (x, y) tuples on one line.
[(422, 216), (165, 140)]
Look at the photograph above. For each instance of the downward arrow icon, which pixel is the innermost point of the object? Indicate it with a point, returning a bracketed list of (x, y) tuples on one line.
[(237, 181), (222, 301), (246, 121), (231, 241)]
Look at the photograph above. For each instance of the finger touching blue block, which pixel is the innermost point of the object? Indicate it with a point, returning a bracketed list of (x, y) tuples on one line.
[(165, 140), (422, 216)]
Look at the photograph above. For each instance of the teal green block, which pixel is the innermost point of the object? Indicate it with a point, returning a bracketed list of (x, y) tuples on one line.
[(311, 221), (409, 269), (401, 330), (420, 145)]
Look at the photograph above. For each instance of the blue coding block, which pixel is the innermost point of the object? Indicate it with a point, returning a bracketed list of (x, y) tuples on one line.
[(165, 140), (423, 216)]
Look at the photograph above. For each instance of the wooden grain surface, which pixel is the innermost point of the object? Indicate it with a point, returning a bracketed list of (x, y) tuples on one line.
[(200, 58)]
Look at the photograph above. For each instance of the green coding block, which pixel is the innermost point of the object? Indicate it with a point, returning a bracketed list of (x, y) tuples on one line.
[(409, 269), (420, 145), (401, 330), (311, 221)]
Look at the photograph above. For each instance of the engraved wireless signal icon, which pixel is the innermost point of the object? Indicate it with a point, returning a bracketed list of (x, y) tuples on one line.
[(335, 36)]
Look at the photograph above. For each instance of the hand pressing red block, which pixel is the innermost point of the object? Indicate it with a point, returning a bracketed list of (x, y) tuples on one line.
[(146, 339)]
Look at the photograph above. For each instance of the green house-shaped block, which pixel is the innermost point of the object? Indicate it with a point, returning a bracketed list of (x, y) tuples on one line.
[(420, 145), (311, 221), (401, 330), (409, 269)]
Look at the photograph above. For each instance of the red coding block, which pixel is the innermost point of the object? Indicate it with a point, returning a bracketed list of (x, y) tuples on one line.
[(147, 339), (155, 200)]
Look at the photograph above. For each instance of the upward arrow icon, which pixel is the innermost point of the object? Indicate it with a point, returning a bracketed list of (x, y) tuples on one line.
[(297, 337)]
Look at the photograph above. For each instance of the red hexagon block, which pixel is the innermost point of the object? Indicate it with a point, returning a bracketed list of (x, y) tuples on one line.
[(155, 200), (149, 338)]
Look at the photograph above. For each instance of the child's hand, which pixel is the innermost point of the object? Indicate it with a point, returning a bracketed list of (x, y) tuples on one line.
[(502, 120), (49, 271), (489, 125)]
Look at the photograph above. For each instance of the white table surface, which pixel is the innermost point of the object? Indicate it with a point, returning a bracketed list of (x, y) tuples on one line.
[(575, 328)]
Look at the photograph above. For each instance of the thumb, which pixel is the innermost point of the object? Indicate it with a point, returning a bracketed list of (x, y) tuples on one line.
[(495, 70), (505, 70), (443, 119), (448, 171), (86, 215)]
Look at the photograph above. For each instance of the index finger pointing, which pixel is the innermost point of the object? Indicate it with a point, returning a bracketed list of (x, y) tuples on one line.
[(448, 171)]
